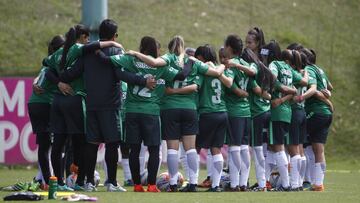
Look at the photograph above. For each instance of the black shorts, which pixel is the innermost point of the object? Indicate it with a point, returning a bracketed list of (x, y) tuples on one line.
[(142, 127), (103, 126), (239, 128), (297, 131), (67, 114), (280, 132), (212, 129), (176, 123), (318, 127), (258, 124), (39, 114)]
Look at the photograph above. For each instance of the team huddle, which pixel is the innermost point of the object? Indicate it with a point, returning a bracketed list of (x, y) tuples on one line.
[(264, 103)]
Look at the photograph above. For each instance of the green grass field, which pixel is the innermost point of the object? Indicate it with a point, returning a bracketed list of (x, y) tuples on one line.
[(341, 183)]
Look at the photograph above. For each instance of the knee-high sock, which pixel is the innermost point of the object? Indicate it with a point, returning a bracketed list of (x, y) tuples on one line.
[(218, 163), (302, 170), (260, 166), (135, 163), (126, 167), (295, 171), (209, 164), (43, 160), (103, 163), (310, 164), (245, 165), (90, 163), (173, 165), (192, 162), (112, 158), (56, 154), (320, 169), (282, 164), (153, 164), (142, 158), (269, 164), (184, 162), (234, 165)]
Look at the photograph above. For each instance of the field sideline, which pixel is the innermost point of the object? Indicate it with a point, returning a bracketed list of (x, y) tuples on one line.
[(341, 185)]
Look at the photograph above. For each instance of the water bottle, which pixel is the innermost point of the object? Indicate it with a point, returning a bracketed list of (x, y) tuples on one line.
[(52, 187)]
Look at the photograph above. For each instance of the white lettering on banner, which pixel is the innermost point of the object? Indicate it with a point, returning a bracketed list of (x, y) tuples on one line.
[(29, 155), (11, 141), (18, 98)]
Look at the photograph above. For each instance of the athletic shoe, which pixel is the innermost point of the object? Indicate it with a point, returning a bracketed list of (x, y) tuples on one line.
[(20, 186), (128, 183), (152, 188), (64, 188), (172, 188), (113, 188), (297, 189), (306, 185), (78, 188), (139, 188), (215, 189), (258, 189), (243, 189), (34, 186), (206, 183), (256, 185), (281, 189), (268, 185), (317, 188), (189, 188), (89, 187), (234, 189)]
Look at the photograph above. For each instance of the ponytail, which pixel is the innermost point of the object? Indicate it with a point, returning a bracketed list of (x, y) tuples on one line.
[(70, 40)]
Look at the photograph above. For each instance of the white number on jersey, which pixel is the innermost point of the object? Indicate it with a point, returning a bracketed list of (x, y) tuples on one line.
[(216, 84)]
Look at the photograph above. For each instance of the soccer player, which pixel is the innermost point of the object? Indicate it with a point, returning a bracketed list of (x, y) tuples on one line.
[(179, 109), (280, 107), (143, 110), (213, 121), (255, 40), (319, 116), (238, 110), (39, 106)]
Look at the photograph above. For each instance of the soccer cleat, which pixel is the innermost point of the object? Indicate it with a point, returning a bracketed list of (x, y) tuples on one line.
[(214, 189), (206, 183), (139, 188), (306, 185), (78, 188), (268, 185), (172, 188), (281, 189), (297, 189), (256, 185), (152, 188), (34, 186), (317, 188), (89, 187), (243, 189), (113, 188), (189, 188), (128, 183), (234, 189), (258, 189), (64, 188)]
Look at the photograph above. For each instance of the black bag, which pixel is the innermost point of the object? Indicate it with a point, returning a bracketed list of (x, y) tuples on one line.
[(23, 196)]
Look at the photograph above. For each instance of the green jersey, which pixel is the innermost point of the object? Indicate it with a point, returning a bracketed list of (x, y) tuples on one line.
[(73, 54), (141, 99), (53, 62), (287, 76), (258, 105), (314, 105), (238, 106), (123, 99), (48, 94), (211, 96), (182, 101)]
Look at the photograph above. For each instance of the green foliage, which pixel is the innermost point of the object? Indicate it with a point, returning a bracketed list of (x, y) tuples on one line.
[(330, 27)]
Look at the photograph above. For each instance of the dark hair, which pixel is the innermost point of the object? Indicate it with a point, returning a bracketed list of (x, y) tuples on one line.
[(265, 78), (272, 51), (149, 46), (107, 29), (235, 43), (259, 36), (293, 57), (304, 61), (71, 36), (222, 52), (295, 46), (310, 55), (207, 52), (56, 42)]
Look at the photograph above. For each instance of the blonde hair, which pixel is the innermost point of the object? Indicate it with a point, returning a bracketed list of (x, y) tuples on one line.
[(177, 45)]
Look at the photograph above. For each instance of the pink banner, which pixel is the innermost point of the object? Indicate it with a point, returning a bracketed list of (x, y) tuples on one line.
[(17, 142)]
